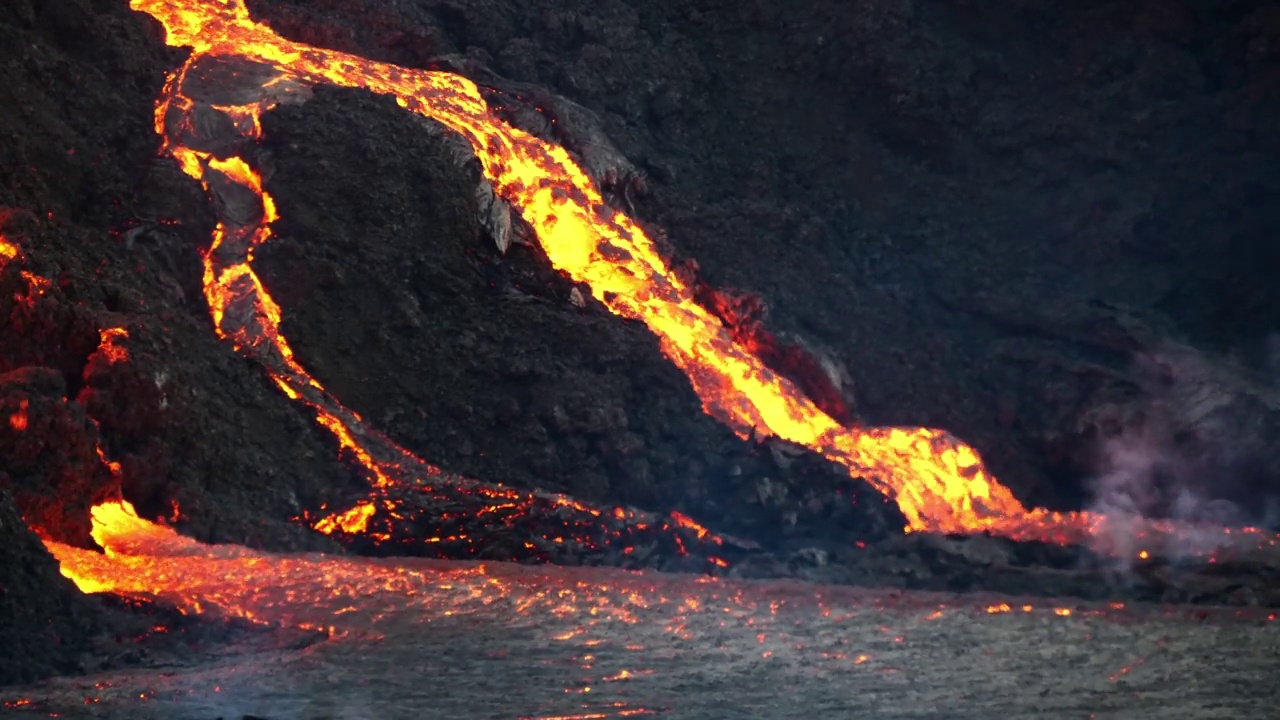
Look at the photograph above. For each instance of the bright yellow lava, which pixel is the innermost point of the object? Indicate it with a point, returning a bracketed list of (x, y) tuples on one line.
[(939, 483)]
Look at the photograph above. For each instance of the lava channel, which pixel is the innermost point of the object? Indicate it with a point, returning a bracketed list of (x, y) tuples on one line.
[(939, 483)]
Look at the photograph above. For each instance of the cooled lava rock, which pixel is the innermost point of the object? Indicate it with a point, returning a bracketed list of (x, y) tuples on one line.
[(50, 450), (46, 624)]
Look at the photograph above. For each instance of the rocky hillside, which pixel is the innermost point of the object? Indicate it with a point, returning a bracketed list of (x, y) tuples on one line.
[(1044, 226)]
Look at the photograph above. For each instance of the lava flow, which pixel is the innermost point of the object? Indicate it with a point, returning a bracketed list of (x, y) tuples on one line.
[(239, 68), (939, 483), (209, 116), (595, 638), (345, 595)]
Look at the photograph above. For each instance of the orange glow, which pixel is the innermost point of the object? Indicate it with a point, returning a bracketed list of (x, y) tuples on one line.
[(38, 284), (355, 520), (684, 521), (109, 346), (18, 420), (341, 595), (939, 483)]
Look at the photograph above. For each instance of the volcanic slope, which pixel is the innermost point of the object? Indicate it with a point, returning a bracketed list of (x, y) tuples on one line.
[(996, 246), (602, 643)]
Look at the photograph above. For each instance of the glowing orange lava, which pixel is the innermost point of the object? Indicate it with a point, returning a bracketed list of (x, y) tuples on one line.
[(18, 420), (8, 251), (109, 345), (352, 595), (939, 483)]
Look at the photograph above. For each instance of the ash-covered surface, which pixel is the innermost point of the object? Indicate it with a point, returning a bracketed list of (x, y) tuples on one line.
[(1042, 226), (449, 640)]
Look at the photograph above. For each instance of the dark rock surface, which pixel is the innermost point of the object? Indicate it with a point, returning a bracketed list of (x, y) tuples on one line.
[(45, 623), (50, 448)]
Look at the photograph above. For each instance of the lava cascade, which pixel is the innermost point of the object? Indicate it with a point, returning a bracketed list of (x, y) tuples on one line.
[(939, 483)]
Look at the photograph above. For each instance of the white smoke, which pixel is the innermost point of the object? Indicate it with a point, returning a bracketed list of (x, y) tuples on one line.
[(1143, 475), (1271, 512), (1167, 462)]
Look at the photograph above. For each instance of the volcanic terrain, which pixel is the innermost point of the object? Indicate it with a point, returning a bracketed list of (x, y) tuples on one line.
[(949, 299)]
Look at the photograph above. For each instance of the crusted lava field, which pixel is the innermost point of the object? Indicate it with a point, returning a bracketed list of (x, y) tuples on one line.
[(415, 351), (408, 636)]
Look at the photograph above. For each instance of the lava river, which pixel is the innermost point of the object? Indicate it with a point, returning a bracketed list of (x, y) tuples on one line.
[(239, 68), (412, 638)]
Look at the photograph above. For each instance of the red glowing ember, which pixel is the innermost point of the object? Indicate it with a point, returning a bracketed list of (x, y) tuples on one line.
[(18, 420), (109, 345)]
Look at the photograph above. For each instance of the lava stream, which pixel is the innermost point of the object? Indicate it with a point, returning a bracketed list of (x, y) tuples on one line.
[(351, 595), (939, 483)]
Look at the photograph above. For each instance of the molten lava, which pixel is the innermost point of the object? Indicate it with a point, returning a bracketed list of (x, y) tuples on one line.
[(351, 595), (18, 420), (939, 483), (109, 345)]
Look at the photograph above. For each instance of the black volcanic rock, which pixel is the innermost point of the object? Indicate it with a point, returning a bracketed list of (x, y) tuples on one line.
[(49, 445), (480, 362), (1042, 225), (45, 623)]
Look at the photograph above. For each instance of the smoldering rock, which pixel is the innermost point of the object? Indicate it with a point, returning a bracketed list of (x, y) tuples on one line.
[(231, 81), (50, 446), (46, 625)]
